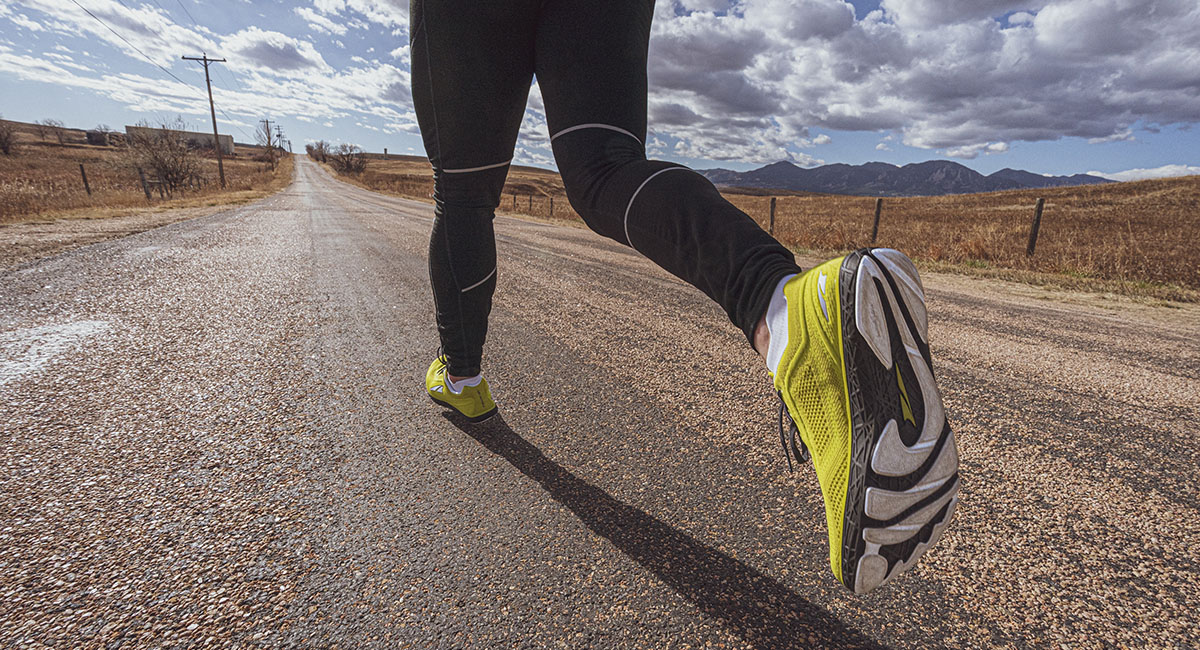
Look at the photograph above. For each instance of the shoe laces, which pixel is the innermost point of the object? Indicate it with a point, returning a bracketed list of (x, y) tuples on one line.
[(791, 435)]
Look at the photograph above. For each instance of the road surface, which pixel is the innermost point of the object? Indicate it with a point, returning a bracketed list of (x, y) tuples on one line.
[(215, 433)]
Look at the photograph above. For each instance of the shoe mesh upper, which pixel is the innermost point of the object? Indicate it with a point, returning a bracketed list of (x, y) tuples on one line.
[(814, 388)]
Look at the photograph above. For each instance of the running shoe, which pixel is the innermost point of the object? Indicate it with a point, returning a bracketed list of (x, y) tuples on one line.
[(857, 382), (474, 402)]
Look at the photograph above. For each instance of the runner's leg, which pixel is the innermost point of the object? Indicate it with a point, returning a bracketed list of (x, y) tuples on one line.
[(472, 65), (591, 67)]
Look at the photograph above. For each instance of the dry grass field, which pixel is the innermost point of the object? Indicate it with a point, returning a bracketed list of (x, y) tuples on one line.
[(42, 180), (1138, 239)]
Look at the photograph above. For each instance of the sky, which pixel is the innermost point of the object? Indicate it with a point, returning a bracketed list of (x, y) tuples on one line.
[(1110, 87)]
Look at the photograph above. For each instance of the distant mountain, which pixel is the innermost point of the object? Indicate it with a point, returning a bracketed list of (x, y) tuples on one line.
[(932, 178)]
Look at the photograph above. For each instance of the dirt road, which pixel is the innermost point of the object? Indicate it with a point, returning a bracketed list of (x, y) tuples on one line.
[(214, 433)]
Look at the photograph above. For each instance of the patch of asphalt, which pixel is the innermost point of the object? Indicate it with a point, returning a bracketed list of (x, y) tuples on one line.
[(137, 462)]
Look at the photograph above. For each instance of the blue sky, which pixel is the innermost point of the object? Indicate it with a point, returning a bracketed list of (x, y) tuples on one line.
[(1051, 86)]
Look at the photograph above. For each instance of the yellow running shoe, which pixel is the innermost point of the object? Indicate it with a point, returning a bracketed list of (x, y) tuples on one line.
[(474, 402), (857, 381)]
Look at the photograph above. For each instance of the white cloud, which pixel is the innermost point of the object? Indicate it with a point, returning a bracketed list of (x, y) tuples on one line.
[(22, 21), (1166, 171), (272, 53), (319, 22), (882, 146), (388, 13), (1021, 18), (972, 151), (1124, 135), (933, 13), (822, 139)]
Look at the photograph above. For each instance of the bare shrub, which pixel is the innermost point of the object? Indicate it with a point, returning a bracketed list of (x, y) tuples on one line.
[(8, 137), (270, 141), (318, 151), (166, 154), (52, 128), (348, 159)]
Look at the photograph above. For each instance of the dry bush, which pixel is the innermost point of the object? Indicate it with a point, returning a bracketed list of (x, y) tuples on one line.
[(318, 151), (348, 159), (166, 155), (271, 143), (8, 137)]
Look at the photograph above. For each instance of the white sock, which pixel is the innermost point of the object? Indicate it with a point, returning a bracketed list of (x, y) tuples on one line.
[(457, 387), (777, 325)]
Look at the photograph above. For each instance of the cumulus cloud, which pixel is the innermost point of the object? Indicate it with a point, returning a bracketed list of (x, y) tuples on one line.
[(964, 77), (1166, 171), (272, 53)]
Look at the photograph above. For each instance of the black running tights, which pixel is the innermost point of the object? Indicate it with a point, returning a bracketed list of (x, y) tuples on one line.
[(473, 62)]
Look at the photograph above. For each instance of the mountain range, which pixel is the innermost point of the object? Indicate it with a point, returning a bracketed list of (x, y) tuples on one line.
[(932, 178)]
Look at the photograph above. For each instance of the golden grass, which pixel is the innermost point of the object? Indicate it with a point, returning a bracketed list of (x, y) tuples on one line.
[(42, 181), (1136, 239)]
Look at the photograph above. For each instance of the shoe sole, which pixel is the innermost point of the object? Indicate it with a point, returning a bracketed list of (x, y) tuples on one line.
[(904, 481), (477, 418)]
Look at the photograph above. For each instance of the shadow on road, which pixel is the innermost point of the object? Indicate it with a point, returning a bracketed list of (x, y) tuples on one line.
[(762, 611)]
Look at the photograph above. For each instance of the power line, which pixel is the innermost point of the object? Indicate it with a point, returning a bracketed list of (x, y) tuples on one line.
[(147, 57), (185, 10), (157, 35), (118, 35)]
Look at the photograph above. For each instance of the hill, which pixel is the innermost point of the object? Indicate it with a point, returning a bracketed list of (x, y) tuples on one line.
[(932, 178)]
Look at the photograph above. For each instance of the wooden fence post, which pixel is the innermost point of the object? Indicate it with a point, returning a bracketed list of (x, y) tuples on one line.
[(1037, 223), (875, 228), (145, 187), (85, 183), (514, 201), (530, 204), (552, 206), (771, 222)]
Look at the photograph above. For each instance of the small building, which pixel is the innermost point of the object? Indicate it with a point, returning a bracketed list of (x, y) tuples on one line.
[(194, 138), (106, 138)]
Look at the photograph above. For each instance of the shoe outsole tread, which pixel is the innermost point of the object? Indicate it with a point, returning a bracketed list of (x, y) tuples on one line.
[(903, 483)]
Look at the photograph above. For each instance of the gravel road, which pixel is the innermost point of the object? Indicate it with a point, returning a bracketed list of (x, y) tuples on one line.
[(214, 434)]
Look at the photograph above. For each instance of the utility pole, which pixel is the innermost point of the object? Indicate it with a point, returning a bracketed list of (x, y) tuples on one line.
[(269, 143), (212, 109), (266, 133)]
